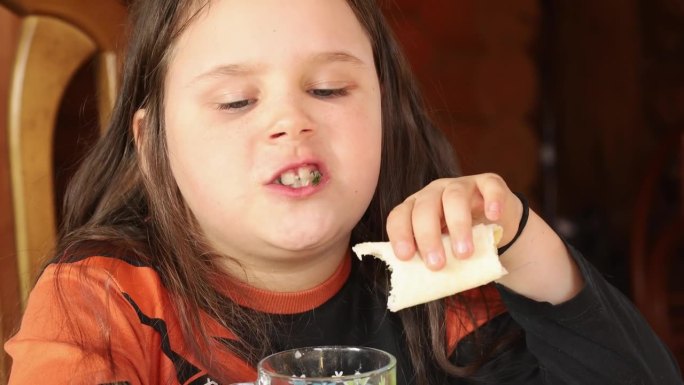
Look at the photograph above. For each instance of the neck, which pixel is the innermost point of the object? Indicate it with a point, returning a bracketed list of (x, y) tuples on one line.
[(289, 271)]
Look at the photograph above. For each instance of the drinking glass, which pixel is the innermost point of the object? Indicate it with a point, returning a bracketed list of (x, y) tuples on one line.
[(328, 365)]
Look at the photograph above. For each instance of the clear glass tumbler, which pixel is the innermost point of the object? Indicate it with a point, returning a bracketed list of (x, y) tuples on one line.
[(328, 365)]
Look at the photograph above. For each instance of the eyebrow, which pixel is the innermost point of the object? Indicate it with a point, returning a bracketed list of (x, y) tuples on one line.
[(228, 70), (243, 69), (337, 56)]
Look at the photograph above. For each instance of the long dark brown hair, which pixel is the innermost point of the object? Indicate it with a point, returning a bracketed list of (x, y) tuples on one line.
[(122, 201)]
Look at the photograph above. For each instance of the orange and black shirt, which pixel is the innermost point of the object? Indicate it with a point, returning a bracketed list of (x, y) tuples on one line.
[(144, 333), (595, 338)]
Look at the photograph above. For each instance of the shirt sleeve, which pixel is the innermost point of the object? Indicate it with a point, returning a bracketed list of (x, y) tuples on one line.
[(77, 329), (597, 337)]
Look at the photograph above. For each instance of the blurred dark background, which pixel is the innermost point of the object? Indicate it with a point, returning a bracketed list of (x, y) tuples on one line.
[(571, 101), (579, 104)]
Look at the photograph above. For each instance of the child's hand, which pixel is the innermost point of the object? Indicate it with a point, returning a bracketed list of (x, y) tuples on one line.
[(453, 206)]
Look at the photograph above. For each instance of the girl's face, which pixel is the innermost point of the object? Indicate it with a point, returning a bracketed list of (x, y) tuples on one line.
[(272, 113)]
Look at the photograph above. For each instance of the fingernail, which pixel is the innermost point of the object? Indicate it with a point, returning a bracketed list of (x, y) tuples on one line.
[(403, 249), (433, 259), (462, 247), (494, 208)]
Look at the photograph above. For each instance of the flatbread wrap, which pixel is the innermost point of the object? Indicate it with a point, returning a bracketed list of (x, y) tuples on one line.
[(412, 283)]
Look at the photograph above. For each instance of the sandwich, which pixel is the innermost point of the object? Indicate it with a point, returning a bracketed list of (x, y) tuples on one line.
[(412, 283)]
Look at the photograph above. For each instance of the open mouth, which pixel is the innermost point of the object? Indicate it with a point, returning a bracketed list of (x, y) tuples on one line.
[(299, 177)]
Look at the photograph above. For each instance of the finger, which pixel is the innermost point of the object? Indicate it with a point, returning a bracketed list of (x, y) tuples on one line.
[(427, 229), (457, 202), (400, 229), (494, 192)]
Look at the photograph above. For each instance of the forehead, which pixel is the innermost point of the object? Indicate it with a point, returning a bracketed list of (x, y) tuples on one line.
[(269, 31)]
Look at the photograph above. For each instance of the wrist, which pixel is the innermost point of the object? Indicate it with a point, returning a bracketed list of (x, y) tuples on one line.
[(523, 209)]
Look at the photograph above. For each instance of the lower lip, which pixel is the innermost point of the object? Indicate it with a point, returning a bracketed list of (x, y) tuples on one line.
[(301, 192)]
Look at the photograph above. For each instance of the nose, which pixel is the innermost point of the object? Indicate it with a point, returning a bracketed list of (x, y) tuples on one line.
[(293, 133), (291, 122)]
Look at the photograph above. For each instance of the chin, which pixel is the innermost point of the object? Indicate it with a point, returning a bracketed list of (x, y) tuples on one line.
[(302, 242), (306, 239)]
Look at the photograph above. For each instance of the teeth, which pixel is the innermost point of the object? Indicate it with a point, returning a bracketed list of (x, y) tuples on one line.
[(288, 178), (301, 177), (304, 176)]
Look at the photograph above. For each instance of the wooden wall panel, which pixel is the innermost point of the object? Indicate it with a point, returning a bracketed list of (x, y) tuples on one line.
[(603, 138), (476, 64)]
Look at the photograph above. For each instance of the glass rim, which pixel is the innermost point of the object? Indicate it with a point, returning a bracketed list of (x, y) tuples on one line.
[(391, 364)]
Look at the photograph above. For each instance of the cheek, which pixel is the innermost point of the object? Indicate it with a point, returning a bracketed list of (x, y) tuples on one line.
[(363, 146), (189, 177), (367, 129), (207, 171), (199, 146), (184, 158), (206, 168), (206, 186)]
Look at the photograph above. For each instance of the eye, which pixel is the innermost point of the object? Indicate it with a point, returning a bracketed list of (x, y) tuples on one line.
[(235, 106), (329, 93)]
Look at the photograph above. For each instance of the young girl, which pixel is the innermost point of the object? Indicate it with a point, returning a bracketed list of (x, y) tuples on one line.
[(252, 143)]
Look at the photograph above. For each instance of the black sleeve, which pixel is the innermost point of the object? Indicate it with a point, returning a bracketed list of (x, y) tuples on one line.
[(597, 337)]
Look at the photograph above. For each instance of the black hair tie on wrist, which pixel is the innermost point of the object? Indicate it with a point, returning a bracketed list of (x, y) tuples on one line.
[(521, 225)]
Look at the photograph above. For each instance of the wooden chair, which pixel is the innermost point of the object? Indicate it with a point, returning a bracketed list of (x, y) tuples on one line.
[(657, 244), (55, 38)]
